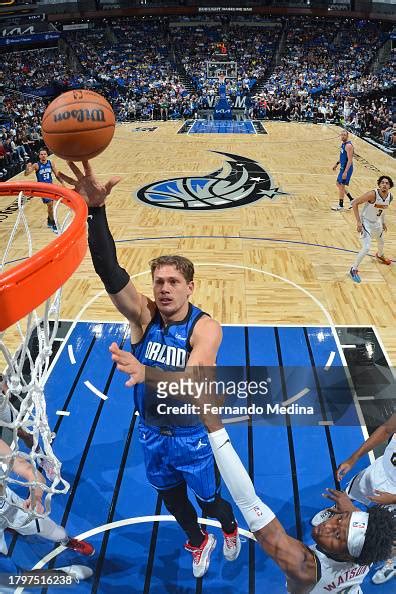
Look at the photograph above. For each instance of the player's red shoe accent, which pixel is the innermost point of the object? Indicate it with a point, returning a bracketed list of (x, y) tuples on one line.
[(383, 260), (232, 545), (80, 546), (201, 555)]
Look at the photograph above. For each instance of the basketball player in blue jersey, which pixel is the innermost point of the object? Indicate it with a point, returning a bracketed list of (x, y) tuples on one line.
[(346, 170), (44, 169), (166, 332)]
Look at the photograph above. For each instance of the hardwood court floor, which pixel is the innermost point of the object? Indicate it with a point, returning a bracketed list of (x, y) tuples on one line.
[(295, 237)]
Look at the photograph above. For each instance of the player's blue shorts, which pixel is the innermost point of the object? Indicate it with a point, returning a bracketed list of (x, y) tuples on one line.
[(345, 182), (174, 455), (46, 200)]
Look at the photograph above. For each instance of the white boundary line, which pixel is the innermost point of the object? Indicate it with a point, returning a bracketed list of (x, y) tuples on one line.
[(296, 397), (330, 360), (95, 390), (120, 524), (58, 354), (71, 354)]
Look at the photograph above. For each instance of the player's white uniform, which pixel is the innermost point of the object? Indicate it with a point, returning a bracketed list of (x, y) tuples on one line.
[(343, 577), (12, 516), (380, 475), (373, 217)]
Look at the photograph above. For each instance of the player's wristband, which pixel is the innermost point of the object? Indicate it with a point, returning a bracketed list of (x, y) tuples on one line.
[(103, 251)]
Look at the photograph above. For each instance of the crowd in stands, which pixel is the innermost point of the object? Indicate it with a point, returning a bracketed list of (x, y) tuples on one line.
[(20, 133), (300, 69), (28, 71), (135, 68), (251, 47), (323, 54)]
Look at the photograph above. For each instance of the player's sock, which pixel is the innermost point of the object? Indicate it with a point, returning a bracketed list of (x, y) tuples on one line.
[(341, 202), (349, 196)]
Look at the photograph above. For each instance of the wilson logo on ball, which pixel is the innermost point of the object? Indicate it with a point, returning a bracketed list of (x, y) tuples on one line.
[(81, 115)]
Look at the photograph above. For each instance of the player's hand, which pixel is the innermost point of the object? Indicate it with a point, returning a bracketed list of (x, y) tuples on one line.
[(385, 227), (344, 468), (335, 167), (29, 167), (383, 498), (341, 500), (359, 227), (128, 364), (28, 504), (88, 185), (344, 175)]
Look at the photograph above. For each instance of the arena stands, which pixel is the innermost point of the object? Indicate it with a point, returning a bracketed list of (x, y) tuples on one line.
[(296, 68)]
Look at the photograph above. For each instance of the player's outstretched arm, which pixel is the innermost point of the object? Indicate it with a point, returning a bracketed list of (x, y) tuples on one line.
[(30, 167), (380, 435), (137, 308), (292, 556)]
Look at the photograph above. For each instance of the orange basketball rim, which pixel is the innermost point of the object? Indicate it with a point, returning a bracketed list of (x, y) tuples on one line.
[(28, 284)]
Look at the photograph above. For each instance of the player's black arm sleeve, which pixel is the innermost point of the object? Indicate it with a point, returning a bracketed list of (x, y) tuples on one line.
[(103, 251)]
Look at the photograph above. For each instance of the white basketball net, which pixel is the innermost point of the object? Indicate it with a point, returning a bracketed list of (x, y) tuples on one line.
[(22, 399)]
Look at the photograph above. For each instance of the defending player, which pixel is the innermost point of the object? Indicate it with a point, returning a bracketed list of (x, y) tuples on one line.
[(165, 333), (14, 512), (371, 223), (375, 484), (346, 170), (44, 169)]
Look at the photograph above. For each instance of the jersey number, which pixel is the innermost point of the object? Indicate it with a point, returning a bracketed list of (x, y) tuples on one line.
[(393, 459)]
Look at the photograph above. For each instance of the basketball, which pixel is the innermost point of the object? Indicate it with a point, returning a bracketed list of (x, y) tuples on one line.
[(78, 125)]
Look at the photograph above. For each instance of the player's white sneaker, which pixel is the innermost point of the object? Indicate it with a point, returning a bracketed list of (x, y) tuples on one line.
[(338, 207), (201, 555), (385, 573), (232, 545), (322, 516), (77, 572)]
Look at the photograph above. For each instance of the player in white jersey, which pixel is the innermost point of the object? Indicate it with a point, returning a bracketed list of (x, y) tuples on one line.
[(16, 513), (371, 222), (374, 484)]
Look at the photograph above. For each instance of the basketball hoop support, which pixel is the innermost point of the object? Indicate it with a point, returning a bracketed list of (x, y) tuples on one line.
[(28, 284)]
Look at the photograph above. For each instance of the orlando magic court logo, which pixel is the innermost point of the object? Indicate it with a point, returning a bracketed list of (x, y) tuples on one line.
[(239, 182)]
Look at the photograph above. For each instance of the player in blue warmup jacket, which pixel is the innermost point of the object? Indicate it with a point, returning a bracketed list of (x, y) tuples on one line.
[(168, 333), (44, 169), (346, 170)]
